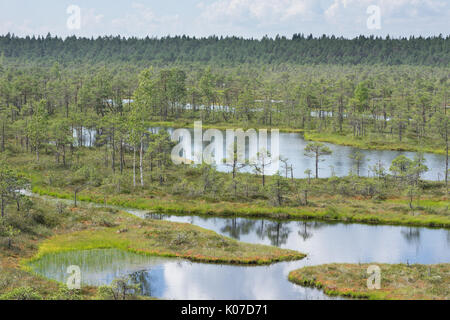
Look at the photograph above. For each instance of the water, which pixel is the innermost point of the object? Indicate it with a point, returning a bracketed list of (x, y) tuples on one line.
[(98, 267), (326, 242), (178, 279), (323, 242), (292, 147)]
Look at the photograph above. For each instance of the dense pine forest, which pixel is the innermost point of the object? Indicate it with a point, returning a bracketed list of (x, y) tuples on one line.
[(402, 107), (300, 49)]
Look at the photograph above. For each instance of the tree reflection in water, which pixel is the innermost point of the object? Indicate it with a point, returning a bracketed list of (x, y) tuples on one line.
[(278, 233), (142, 278), (411, 235), (235, 227), (156, 216), (305, 229), (275, 231), (260, 230)]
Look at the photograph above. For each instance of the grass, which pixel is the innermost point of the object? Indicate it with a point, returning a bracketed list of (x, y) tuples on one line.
[(398, 282), (431, 203), (368, 143), (359, 211), (222, 125), (49, 228), (333, 200), (379, 142), (12, 275), (16, 278)]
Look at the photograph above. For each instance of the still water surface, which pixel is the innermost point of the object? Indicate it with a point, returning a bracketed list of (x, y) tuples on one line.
[(292, 147), (323, 242)]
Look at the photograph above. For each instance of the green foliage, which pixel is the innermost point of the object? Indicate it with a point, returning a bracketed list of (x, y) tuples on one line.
[(65, 293), (398, 282), (401, 166), (361, 101), (317, 150), (278, 189), (11, 183), (362, 96), (300, 49), (37, 127), (23, 293)]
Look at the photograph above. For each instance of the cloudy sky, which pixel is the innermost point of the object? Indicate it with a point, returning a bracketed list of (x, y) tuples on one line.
[(247, 18)]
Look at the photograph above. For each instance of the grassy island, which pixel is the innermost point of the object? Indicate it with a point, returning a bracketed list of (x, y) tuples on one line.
[(53, 227), (398, 282)]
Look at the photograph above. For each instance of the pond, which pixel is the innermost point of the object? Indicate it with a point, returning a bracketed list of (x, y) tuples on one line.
[(178, 279), (339, 163), (326, 242), (323, 242)]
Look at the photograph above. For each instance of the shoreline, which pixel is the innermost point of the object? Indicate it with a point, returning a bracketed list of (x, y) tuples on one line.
[(312, 135), (157, 238), (350, 281), (227, 209)]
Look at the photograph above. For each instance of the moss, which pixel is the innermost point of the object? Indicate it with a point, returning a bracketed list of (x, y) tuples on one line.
[(22, 293), (398, 282), (165, 239), (380, 143), (83, 228), (336, 211)]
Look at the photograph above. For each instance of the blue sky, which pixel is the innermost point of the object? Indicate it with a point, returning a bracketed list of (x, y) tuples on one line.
[(247, 18)]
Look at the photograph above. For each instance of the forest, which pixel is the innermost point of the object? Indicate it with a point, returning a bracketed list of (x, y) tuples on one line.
[(300, 49), (381, 107), (56, 95), (52, 112)]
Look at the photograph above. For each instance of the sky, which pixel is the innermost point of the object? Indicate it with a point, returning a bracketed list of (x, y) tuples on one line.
[(243, 18)]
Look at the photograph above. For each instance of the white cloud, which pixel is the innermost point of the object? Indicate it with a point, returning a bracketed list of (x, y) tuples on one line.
[(143, 21), (398, 17), (389, 8), (342, 17), (247, 18), (6, 26), (91, 19), (25, 28), (264, 11)]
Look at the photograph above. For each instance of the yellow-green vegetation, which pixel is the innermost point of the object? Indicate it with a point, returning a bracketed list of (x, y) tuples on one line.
[(53, 226), (245, 125), (372, 142), (398, 282), (186, 190), (202, 190), (167, 239), (36, 223), (353, 210), (375, 142)]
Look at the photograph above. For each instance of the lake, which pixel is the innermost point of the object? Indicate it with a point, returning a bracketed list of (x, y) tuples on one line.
[(323, 242), (292, 147)]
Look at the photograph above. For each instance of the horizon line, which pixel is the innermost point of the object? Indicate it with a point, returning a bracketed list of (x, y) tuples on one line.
[(294, 37)]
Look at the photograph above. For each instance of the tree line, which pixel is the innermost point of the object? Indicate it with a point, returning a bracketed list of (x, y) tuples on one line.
[(300, 49)]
